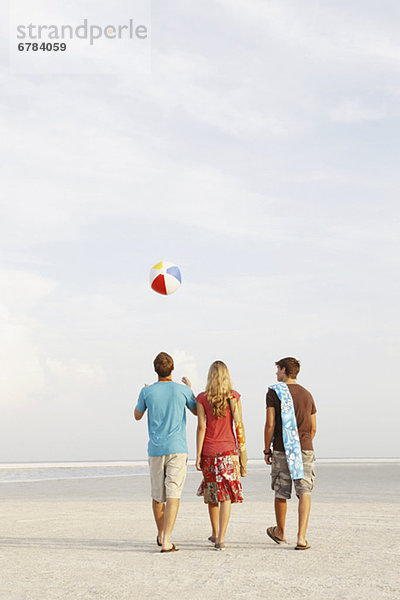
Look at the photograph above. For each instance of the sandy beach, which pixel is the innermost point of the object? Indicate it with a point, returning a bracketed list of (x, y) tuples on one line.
[(95, 538)]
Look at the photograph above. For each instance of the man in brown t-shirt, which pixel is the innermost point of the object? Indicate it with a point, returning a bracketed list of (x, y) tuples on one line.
[(281, 482)]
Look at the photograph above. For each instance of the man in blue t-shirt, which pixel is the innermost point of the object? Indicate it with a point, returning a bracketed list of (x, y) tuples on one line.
[(166, 403)]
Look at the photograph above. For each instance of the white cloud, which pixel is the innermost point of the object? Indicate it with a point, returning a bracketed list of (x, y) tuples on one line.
[(185, 366), (23, 289), (22, 379), (326, 30), (152, 184), (29, 375), (73, 369), (235, 113), (353, 110), (239, 157)]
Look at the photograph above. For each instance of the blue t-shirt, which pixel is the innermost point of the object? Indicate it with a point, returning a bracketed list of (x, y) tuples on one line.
[(166, 403)]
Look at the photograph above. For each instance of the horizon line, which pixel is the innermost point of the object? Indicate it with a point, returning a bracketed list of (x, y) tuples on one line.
[(191, 462)]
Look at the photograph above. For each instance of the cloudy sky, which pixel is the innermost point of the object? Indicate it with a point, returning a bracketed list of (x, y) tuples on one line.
[(259, 153)]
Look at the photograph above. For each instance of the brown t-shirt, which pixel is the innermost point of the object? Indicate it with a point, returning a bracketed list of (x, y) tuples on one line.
[(304, 407)]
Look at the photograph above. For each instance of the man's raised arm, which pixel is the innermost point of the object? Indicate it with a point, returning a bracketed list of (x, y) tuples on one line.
[(187, 382)]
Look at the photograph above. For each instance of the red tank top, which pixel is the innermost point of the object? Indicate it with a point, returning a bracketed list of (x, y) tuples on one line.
[(219, 435)]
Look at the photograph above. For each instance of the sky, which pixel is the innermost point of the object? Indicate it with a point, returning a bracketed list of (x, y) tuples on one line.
[(259, 152)]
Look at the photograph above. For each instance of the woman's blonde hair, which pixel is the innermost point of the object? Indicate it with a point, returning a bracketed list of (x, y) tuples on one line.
[(218, 388)]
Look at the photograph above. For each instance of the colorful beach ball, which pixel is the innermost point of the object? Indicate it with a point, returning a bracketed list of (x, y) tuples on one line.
[(165, 278)]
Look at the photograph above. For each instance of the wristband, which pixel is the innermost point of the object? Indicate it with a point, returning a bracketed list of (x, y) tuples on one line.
[(267, 452)]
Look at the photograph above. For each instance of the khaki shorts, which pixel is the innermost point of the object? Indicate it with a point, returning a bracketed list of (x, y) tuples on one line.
[(167, 476), (281, 482)]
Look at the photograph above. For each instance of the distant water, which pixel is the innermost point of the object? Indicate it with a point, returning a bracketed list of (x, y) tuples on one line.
[(59, 472), (36, 472)]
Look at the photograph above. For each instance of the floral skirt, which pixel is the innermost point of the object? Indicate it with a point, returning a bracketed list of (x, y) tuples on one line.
[(221, 482)]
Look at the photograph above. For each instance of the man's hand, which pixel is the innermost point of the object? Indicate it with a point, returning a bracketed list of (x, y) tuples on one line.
[(268, 459), (187, 382)]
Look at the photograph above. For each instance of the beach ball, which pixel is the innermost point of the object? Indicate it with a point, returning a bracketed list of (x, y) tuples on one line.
[(165, 278)]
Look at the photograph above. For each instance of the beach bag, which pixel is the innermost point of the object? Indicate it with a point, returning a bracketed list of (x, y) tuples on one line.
[(240, 438)]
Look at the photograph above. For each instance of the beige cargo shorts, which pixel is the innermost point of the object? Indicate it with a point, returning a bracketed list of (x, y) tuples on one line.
[(281, 482), (167, 475)]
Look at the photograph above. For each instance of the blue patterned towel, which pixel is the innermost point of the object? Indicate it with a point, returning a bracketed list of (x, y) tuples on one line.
[(290, 435)]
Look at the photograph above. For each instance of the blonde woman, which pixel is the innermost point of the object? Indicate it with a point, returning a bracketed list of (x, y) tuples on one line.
[(217, 455)]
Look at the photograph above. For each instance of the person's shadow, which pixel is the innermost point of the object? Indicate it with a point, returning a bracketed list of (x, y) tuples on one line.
[(120, 545)]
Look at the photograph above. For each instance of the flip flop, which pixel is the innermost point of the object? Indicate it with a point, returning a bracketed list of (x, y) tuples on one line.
[(306, 546), (158, 542), (219, 546), (270, 533), (172, 549), (212, 539)]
